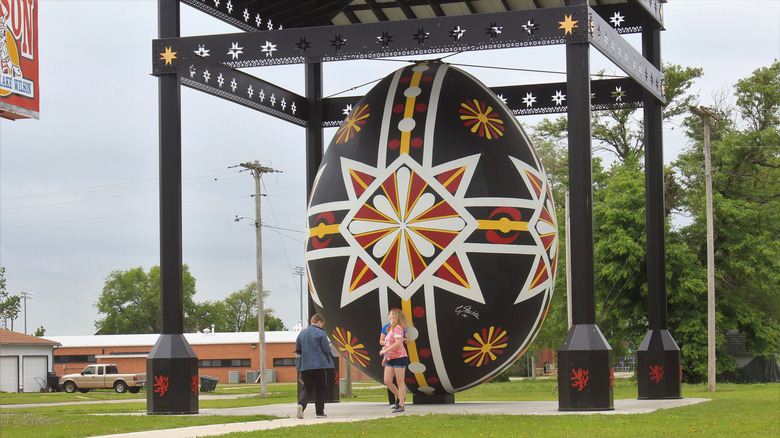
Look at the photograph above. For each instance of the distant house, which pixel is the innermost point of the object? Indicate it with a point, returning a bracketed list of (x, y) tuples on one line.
[(750, 368), (230, 357), (25, 362)]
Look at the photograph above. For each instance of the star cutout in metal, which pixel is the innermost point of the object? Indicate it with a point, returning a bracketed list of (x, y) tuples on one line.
[(347, 109), (230, 7), (258, 21), (385, 39), (494, 30), (246, 15), (293, 108), (220, 80), (283, 104), (530, 27), (268, 49), (193, 72), (261, 95), (216, 4), (202, 51), (233, 84), (558, 98), (206, 76), (617, 19), (270, 25), (338, 42), (250, 91), (618, 94), (421, 36), (457, 33), (235, 50), (529, 100), (273, 99), (302, 44)]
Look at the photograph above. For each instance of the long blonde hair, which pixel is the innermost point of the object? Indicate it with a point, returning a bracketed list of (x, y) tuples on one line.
[(399, 318)]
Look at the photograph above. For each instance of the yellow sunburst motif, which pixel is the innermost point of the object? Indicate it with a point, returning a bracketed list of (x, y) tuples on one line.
[(568, 24), (346, 343), (168, 56), (481, 118), (485, 348), (352, 124)]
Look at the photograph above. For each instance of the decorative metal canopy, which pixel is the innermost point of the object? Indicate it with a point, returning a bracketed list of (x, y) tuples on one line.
[(279, 32)]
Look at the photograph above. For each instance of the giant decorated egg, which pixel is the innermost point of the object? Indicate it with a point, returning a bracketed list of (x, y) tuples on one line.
[(430, 198)]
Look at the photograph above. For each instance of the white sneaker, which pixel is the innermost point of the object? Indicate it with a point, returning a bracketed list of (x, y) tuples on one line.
[(299, 414)]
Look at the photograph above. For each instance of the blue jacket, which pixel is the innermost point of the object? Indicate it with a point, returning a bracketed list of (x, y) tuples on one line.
[(313, 349)]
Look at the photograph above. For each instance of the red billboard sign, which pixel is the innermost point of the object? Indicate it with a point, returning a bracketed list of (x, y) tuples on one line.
[(19, 97)]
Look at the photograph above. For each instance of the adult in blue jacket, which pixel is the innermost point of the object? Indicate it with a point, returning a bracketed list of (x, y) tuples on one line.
[(314, 359)]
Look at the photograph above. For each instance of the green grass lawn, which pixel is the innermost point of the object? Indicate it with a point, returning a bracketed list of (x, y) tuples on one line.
[(735, 410)]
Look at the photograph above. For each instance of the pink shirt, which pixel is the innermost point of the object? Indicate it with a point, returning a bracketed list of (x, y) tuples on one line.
[(396, 333)]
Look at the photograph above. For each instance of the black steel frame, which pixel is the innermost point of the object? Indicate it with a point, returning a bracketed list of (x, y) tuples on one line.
[(210, 64)]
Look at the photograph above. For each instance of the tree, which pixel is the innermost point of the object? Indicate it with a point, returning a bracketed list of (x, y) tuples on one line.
[(131, 301), (241, 311), (620, 131), (206, 314), (747, 181), (10, 306), (746, 199), (40, 331)]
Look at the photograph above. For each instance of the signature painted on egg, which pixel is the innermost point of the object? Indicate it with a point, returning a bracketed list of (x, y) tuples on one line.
[(465, 312)]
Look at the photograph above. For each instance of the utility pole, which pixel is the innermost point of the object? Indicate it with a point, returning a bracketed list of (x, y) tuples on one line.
[(706, 115), (26, 296), (299, 271), (257, 172)]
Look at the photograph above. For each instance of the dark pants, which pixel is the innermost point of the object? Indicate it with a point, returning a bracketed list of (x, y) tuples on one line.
[(314, 381)]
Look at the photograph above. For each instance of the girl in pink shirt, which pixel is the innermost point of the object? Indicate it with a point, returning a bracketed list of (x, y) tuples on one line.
[(396, 358)]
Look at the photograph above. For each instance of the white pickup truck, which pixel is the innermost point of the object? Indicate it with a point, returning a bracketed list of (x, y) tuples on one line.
[(102, 376)]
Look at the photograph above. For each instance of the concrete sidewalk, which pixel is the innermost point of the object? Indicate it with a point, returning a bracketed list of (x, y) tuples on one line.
[(359, 411)]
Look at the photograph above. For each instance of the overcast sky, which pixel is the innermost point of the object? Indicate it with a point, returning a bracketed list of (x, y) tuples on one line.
[(78, 188)]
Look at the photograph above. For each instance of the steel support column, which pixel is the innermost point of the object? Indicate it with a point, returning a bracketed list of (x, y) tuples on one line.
[(314, 136), (658, 356), (171, 366), (585, 357)]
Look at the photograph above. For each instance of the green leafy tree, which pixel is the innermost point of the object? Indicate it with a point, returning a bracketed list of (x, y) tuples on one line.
[(241, 311), (40, 331), (207, 313), (746, 199), (130, 301), (10, 305)]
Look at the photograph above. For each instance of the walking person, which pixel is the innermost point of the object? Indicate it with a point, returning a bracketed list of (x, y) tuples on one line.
[(396, 359), (314, 361)]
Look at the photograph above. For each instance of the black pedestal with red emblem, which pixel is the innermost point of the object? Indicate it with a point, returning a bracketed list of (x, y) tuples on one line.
[(172, 377), (585, 373), (659, 372)]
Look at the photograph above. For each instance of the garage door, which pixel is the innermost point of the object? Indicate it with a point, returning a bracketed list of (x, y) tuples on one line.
[(34, 367), (9, 374)]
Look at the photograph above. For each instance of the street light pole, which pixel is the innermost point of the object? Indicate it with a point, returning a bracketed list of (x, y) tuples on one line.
[(299, 271), (26, 296)]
